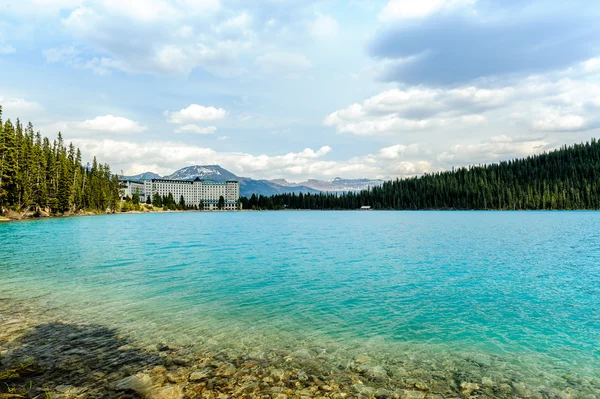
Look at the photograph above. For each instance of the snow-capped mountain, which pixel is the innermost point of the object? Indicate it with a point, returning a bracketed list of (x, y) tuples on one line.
[(141, 176), (338, 184), (206, 172)]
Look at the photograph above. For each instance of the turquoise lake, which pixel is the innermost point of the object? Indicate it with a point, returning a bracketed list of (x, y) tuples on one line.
[(518, 292)]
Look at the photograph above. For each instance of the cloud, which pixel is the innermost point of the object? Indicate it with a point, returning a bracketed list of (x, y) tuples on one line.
[(493, 39), (35, 8), (192, 128), (16, 105), (165, 157), (495, 149), (291, 64), (7, 49), (417, 108), (176, 37), (111, 124), (164, 37), (562, 101), (407, 9), (75, 58), (399, 150), (557, 120), (323, 26), (64, 54), (196, 113)]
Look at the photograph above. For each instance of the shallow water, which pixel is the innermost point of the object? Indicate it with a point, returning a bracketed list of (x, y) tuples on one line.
[(513, 297)]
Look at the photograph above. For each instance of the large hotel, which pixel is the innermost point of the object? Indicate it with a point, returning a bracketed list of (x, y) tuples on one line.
[(194, 192)]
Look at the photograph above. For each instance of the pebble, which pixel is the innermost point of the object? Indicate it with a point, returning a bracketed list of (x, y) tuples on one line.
[(140, 383), (176, 377), (468, 388), (200, 375), (166, 392)]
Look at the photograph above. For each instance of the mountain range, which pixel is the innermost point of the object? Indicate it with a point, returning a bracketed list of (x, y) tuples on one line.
[(249, 186)]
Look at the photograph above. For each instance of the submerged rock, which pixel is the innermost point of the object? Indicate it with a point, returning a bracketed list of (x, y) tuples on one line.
[(140, 383), (176, 377), (467, 388), (200, 375)]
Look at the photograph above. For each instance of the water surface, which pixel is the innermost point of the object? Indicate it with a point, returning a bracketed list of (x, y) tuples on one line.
[(518, 293)]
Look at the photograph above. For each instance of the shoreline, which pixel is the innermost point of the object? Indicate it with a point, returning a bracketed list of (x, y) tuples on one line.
[(30, 217), (45, 354)]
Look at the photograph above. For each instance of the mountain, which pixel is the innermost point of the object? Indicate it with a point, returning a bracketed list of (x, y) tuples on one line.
[(142, 176), (206, 172), (336, 185), (265, 187)]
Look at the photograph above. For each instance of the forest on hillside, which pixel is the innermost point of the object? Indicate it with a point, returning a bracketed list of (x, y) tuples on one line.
[(567, 178), (48, 177)]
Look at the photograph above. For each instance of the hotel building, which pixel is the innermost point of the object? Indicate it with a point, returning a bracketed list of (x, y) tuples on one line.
[(195, 192)]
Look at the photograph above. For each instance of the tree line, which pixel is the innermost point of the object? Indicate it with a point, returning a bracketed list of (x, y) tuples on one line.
[(567, 178), (40, 175)]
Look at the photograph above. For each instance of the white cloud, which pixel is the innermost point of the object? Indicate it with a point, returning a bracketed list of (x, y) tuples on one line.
[(410, 9), (417, 108), (398, 150), (554, 119), (63, 54), (196, 113), (497, 148), (223, 138), (192, 128), (31, 8), (291, 64), (591, 65), (164, 37), (238, 24), (323, 26), (15, 105), (73, 57), (562, 101), (111, 124), (7, 49)]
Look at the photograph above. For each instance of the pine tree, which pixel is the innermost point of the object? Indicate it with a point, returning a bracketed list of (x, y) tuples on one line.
[(8, 166)]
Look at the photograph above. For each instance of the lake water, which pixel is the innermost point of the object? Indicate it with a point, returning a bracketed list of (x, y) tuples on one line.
[(503, 295)]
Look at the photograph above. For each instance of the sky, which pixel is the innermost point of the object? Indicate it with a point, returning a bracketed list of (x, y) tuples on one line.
[(300, 89)]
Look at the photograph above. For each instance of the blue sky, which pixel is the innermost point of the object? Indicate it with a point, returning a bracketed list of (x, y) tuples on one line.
[(301, 89)]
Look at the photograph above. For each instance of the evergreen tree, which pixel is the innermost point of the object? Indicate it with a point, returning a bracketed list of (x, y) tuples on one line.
[(37, 174), (157, 200)]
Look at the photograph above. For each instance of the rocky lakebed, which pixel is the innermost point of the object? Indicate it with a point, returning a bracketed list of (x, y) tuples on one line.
[(46, 356)]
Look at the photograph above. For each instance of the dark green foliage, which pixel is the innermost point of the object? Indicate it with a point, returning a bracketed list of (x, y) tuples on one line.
[(135, 198), (37, 174), (157, 200), (221, 203), (568, 178)]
